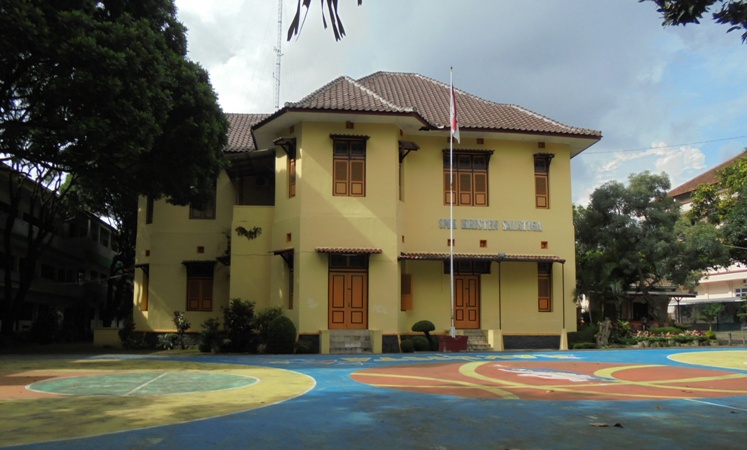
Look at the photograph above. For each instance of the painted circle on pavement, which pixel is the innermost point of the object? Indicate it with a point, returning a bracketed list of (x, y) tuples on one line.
[(82, 406), (558, 380), (143, 383), (726, 359)]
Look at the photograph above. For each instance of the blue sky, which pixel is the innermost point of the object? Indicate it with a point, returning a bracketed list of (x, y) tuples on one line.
[(668, 100)]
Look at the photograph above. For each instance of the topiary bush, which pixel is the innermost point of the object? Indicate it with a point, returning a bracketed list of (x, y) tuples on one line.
[(407, 346), (421, 344), (281, 335), (425, 327)]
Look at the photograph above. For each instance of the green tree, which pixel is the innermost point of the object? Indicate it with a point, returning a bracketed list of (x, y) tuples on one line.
[(100, 92), (724, 204), (683, 12), (632, 237)]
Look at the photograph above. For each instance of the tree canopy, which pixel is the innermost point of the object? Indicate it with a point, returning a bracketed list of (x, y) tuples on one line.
[(633, 238), (683, 12), (724, 204), (101, 92)]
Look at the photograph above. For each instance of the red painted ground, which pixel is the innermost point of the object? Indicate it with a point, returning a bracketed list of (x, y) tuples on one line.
[(557, 380)]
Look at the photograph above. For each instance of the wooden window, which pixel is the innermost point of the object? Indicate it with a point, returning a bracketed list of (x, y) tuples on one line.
[(291, 176), (200, 287), (542, 181), (144, 289), (208, 212), (349, 168), (470, 182), (406, 292), (544, 287), (149, 210)]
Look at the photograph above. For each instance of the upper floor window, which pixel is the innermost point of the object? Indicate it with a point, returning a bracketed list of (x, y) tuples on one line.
[(149, 209), (349, 166), (469, 185), (208, 212), (542, 179)]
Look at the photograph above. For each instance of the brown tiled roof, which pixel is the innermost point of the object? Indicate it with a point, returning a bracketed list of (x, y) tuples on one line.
[(349, 250), (431, 256), (709, 177), (240, 138), (391, 92)]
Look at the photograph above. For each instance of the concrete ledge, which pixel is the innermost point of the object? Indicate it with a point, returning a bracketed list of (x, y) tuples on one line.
[(106, 338)]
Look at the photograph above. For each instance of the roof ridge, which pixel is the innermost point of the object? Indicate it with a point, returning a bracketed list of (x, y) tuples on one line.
[(382, 99)]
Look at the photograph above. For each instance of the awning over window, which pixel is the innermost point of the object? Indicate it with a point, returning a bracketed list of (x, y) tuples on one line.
[(499, 257), (349, 250), (200, 263), (286, 254)]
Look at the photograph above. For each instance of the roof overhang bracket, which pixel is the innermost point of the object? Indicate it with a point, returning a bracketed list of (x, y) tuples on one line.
[(405, 147), (288, 144)]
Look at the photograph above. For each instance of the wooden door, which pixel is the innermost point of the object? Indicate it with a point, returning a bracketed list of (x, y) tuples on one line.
[(467, 301), (348, 300)]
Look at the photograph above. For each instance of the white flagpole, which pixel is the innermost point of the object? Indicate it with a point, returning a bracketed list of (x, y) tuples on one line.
[(452, 112)]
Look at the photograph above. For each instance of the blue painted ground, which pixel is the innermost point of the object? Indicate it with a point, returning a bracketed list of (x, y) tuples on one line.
[(340, 413)]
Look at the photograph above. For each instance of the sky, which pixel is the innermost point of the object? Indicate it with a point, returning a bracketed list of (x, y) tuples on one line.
[(670, 100)]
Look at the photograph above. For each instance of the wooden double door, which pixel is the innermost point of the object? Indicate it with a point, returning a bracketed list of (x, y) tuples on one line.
[(467, 301), (348, 299)]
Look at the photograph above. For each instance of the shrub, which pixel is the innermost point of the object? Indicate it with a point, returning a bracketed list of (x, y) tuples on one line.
[(210, 337), (665, 330), (168, 341), (584, 334), (584, 345), (261, 322), (304, 347), (425, 327), (281, 335), (421, 344), (182, 325), (710, 335), (407, 346), (239, 324)]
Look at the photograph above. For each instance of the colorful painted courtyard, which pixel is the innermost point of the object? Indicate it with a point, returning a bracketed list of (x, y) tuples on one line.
[(642, 398)]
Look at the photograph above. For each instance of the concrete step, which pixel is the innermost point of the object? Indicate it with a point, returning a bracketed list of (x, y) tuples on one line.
[(477, 341), (349, 341)]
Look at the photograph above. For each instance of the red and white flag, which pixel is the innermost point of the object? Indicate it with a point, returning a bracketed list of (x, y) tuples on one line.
[(453, 111)]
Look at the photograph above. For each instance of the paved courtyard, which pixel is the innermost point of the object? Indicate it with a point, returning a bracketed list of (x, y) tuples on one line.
[(642, 398)]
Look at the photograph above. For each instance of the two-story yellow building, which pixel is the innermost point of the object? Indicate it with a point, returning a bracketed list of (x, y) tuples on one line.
[(337, 208)]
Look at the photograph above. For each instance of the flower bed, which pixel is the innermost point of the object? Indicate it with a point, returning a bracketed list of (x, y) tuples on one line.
[(670, 339)]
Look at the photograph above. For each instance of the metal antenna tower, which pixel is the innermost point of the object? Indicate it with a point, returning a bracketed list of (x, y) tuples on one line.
[(278, 54)]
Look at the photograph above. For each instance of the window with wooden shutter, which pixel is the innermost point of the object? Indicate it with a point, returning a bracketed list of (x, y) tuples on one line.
[(291, 176), (470, 171), (544, 287), (406, 292), (349, 167), (542, 180), (199, 287)]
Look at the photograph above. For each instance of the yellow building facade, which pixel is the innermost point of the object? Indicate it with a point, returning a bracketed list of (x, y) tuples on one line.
[(339, 208)]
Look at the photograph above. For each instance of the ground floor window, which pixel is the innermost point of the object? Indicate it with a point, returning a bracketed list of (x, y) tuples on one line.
[(200, 287), (544, 287)]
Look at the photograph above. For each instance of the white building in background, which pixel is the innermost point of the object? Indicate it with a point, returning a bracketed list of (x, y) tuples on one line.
[(724, 285)]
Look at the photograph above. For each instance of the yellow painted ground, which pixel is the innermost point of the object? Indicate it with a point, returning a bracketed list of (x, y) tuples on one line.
[(43, 417), (727, 359)]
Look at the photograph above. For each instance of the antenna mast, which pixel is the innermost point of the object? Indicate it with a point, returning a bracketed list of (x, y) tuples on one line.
[(278, 54)]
